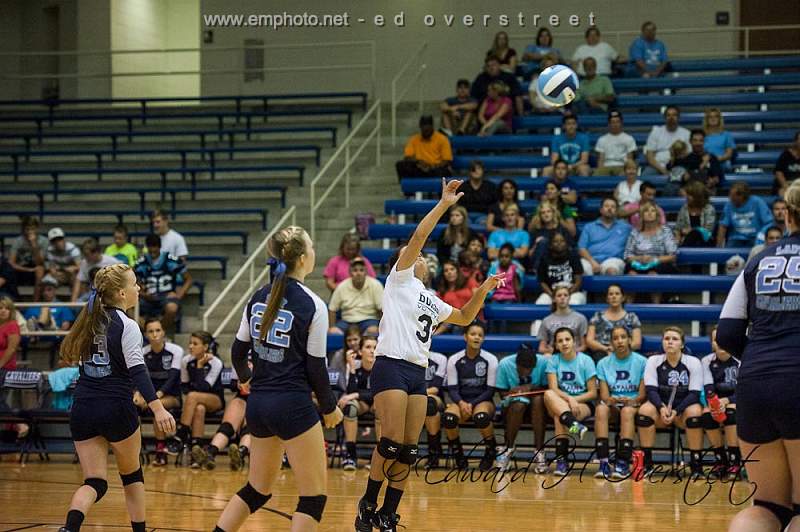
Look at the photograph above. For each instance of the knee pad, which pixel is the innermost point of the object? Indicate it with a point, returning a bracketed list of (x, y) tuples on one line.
[(450, 420), (695, 422), (481, 420), (131, 478), (730, 417), (408, 454), (244, 432), (351, 410), (708, 421), (313, 506), (252, 498), (644, 421), (226, 429), (99, 485), (783, 513), (389, 449), (433, 407)]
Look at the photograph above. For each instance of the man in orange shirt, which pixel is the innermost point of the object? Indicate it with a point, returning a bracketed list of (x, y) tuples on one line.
[(427, 154)]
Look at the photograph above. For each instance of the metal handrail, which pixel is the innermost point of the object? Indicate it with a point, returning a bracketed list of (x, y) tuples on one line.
[(417, 77), (314, 203), (249, 265)]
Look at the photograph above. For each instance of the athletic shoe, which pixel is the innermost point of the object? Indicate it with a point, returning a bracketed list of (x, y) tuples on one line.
[(285, 462), (503, 459), (488, 458), (562, 468), (174, 446), (541, 467), (621, 470), (199, 457), (235, 457), (366, 514), (697, 471), (432, 460), (604, 471), (161, 459), (385, 522), (348, 464), (735, 472), (719, 471), (578, 429), (211, 463)]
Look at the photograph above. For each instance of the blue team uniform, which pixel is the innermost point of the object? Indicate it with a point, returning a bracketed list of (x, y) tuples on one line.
[(573, 375), (207, 379), (623, 377), (471, 379), (165, 368), (686, 378), (508, 376)]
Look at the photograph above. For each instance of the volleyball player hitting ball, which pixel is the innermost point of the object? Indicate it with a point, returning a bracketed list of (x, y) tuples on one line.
[(286, 326), (765, 298), (107, 345), (410, 316)]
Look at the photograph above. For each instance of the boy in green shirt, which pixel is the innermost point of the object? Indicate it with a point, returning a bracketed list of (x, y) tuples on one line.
[(121, 249)]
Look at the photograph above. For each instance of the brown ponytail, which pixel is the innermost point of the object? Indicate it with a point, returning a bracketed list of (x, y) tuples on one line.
[(92, 321), (286, 246)]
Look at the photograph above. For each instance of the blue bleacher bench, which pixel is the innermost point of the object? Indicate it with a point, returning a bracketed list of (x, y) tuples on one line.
[(648, 283), (736, 63), (522, 312), (688, 100), (696, 82), (651, 119)]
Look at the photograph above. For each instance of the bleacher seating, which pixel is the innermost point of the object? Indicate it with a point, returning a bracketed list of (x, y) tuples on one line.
[(693, 119)]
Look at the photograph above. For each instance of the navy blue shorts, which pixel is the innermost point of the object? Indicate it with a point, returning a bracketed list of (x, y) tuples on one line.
[(113, 419), (282, 414), (156, 307), (395, 374), (767, 409)]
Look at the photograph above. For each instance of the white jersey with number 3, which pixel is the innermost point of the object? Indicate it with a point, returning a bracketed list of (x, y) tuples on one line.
[(411, 313)]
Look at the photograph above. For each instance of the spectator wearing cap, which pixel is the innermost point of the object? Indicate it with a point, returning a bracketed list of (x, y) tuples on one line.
[(338, 267), (59, 318), (427, 154), (360, 300), (595, 91), (164, 281), (614, 148), (171, 241), (122, 249), (92, 258), (27, 257), (571, 146), (62, 257), (458, 112)]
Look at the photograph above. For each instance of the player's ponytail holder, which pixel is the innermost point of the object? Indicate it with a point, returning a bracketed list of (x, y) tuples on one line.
[(92, 299), (276, 268)]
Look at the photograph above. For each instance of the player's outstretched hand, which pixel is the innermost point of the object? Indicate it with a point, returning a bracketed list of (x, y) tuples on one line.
[(495, 280), (332, 419), (449, 194)]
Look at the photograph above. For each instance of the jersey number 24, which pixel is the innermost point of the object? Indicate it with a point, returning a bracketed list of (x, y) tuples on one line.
[(278, 333)]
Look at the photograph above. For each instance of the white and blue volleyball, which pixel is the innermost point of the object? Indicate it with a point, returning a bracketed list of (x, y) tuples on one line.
[(557, 85)]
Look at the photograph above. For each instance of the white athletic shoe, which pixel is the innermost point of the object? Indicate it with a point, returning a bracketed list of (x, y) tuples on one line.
[(541, 467), (503, 459)]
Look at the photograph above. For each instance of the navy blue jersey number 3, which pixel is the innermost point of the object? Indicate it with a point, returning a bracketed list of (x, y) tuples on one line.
[(278, 332), (427, 322)]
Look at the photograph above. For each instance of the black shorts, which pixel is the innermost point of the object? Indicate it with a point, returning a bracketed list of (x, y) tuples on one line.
[(282, 414), (113, 419), (766, 409), (395, 374)]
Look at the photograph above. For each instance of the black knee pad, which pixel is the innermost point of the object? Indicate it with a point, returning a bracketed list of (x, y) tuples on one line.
[(695, 422), (783, 513), (313, 506), (244, 432), (252, 498), (643, 421), (730, 417), (481, 420), (131, 478), (99, 485), (450, 420), (796, 509), (708, 421), (408, 454), (433, 407), (351, 410), (389, 449), (226, 429)]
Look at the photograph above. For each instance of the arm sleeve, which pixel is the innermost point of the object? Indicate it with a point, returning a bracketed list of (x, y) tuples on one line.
[(132, 344), (173, 379), (318, 333), (239, 351), (452, 380), (409, 149), (181, 249), (485, 396), (336, 299), (691, 398), (708, 379), (732, 329), (199, 383), (142, 382), (365, 394), (317, 372), (669, 241), (651, 383), (213, 374)]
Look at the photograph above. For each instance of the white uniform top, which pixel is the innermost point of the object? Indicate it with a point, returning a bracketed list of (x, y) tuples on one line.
[(410, 315)]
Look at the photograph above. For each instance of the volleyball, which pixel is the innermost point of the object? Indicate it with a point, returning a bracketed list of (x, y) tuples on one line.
[(557, 85)]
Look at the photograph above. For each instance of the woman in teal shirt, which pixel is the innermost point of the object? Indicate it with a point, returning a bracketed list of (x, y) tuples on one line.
[(718, 142)]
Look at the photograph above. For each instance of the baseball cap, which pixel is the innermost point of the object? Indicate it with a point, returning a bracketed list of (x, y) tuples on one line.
[(49, 279), (614, 114), (357, 260), (54, 233)]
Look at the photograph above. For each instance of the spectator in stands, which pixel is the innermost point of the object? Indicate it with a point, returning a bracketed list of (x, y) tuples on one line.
[(779, 220), (511, 292), (358, 400), (598, 336), (508, 195), (28, 253), (122, 249), (560, 266), (697, 218), (92, 258), (8, 284), (787, 169), (427, 154), (454, 289), (701, 165), (571, 146), (534, 53), (772, 235), (506, 56), (595, 92), (62, 257), (456, 236), (9, 334), (629, 190), (614, 149), (602, 242), (564, 195), (561, 315), (164, 281), (744, 215), (492, 73), (632, 211), (648, 55), (359, 299), (479, 193), (496, 112), (338, 267), (660, 140), (338, 360), (511, 233), (603, 53), (651, 248), (458, 112), (719, 142), (471, 261), (538, 103), (49, 318), (677, 159), (171, 241), (545, 224)]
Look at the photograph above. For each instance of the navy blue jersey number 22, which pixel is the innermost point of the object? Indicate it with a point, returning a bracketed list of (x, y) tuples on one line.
[(278, 333)]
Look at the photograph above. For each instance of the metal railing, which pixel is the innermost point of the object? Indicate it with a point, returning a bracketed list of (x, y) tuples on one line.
[(416, 77), (58, 332), (349, 158), (248, 267)]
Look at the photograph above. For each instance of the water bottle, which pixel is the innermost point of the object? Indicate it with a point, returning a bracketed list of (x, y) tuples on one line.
[(637, 471), (717, 412)]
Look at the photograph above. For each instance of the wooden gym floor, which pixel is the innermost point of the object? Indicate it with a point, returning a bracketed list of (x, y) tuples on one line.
[(36, 496)]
